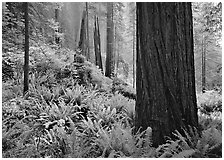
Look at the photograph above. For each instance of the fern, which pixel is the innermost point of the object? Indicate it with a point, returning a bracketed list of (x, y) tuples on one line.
[(184, 154)]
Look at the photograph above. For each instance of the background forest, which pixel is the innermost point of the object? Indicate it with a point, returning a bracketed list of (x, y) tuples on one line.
[(81, 91)]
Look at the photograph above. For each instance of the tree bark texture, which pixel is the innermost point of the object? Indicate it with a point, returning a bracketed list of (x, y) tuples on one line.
[(26, 46), (110, 40), (97, 47), (166, 97)]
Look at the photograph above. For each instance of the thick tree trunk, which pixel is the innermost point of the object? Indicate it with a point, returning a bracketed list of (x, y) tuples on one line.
[(166, 97), (26, 46), (110, 40), (97, 47)]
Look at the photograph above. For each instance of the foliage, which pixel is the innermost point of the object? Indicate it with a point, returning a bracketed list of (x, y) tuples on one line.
[(43, 123), (73, 111), (70, 116), (207, 37), (192, 145), (210, 102), (86, 121), (123, 88), (7, 71)]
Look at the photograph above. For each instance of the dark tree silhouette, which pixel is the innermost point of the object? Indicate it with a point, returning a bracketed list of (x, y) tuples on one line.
[(57, 39), (166, 97), (82, 39), (97, 47), (203, 65), (26, 62), (110, 40)]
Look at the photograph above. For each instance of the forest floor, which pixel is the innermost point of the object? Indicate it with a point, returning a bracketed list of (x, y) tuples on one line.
[(75, 111)]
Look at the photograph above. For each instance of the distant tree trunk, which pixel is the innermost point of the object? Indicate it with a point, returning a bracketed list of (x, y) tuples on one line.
[(118, 56), (115, 48), (87, 32), (82, 38), (57, 39), (110, 40), (203, 67), (70, 22), (166, 97), (98, 58), (26, 57)]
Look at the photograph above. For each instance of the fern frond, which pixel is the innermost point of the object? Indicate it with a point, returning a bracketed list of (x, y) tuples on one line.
[(184, 154)]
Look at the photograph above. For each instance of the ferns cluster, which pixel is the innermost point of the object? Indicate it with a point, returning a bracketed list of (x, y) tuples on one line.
[(44, 122), (61, 118), (192, 145)]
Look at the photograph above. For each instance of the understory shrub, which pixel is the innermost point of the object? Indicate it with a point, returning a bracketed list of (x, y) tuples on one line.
[(192, 145), (123, 88), (209, 102), (73, 111)]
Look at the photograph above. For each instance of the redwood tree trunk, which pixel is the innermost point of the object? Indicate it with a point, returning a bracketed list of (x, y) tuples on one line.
[(97, 47), (166, 97), (26, 46), (110, 40)]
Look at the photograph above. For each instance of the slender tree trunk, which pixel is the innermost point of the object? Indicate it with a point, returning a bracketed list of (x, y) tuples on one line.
[(115, 48), (26, 57), (118, 56), (82, 38), (57, 39), (87, 33), (110, 40), (203, 66), (166, 97)]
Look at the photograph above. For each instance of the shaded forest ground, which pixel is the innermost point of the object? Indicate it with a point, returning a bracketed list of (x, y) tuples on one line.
[(73, 110)]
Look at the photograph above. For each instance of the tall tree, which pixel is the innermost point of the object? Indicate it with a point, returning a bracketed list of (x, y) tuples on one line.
[(97, 46), (26, 46), (87, 32), (166, 97), (110, 40), (203, 63), (82, 39), (57, 39), (115, 50)]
